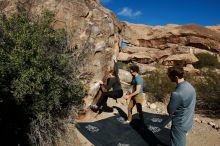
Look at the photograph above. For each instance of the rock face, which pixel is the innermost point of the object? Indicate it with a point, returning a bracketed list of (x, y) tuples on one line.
[(92, 31), (170, 44), (215, 28), (94, 35)]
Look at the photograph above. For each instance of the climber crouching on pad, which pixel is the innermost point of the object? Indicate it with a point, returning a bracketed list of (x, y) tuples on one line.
[(114, 91)]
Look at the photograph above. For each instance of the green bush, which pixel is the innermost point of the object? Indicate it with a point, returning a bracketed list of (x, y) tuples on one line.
[(158, 85), (38, 86), (207, 84), (207, 88), (206, 60)]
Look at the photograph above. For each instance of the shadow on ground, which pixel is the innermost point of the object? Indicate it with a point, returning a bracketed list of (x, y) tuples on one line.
[(112, 132)]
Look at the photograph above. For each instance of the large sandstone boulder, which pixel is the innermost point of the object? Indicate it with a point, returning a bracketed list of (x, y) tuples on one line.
[(93, 31), (144, 68), (183, 58), (186, 35), (170, 44), (125, 76), (215, 28), (143, 55)]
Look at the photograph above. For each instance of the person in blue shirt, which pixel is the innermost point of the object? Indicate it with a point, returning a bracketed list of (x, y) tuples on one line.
[(136, 96), (181, 106)]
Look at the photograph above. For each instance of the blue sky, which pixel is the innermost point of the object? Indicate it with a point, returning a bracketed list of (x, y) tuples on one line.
[(162, 12)]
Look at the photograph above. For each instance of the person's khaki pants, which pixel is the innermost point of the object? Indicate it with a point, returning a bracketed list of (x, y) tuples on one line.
[(138, 101)]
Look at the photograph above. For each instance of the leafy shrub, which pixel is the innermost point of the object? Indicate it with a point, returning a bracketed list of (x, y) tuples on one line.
[(207, 84), (37, 85), (207, 88), (158, 85), (206, 60)]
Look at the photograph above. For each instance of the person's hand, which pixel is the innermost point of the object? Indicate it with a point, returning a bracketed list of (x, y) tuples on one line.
[(114, 58), (166, 114), (101, 82), (126, 97)]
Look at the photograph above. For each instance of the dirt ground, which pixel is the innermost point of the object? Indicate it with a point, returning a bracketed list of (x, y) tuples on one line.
[(202, 133)]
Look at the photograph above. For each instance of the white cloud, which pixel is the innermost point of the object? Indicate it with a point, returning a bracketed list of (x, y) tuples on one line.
[(104, 1), (129, 12)]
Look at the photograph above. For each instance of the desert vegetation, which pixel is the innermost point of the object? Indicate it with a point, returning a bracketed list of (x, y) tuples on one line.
[(207, 60), (206, 83), (38, 84)]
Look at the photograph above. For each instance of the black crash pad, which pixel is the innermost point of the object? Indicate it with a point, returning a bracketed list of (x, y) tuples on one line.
[(112, 132)]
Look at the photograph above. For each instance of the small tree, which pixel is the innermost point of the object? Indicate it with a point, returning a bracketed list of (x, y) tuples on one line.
[(38, 86)]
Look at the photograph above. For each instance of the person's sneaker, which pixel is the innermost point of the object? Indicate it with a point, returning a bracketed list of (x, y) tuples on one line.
[(126, 122), (94, 108)]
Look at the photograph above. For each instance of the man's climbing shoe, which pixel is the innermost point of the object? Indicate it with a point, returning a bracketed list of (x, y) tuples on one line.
[(126, 122), (94, 108)]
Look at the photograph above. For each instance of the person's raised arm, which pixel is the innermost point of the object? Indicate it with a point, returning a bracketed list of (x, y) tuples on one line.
[(125, 83), (137, 91)]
